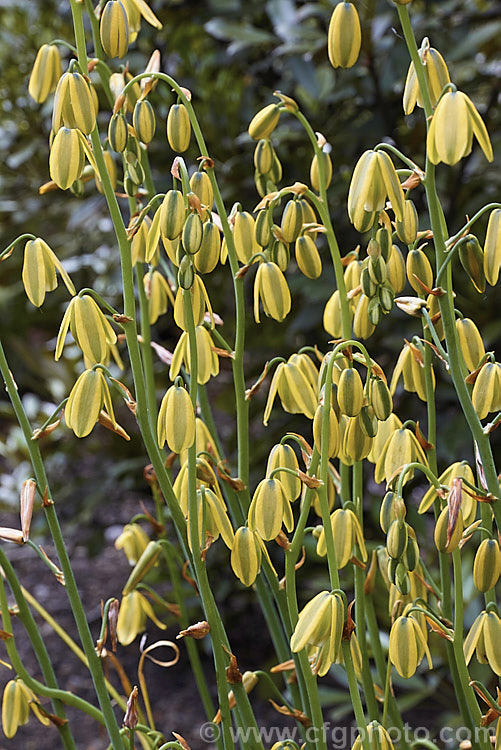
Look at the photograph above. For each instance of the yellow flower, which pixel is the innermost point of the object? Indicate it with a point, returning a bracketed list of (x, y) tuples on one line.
[(455, 122), (320, 624), (176, 420), (374, 180), (134, 609), (208, 361), (294, 389), (88, 396), (271, 288), (17, 700), (133, 540), (39, 271), (93, 334)]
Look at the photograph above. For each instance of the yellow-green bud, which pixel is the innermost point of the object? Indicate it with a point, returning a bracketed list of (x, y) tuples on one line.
[(344, 36), (307, 257), (471, 256), (178, 128), (492, 248), (143, 119), (487, 565), (118, 132), (315, 172), (264, 122), (176, 420), (114, 29), (46, 73)]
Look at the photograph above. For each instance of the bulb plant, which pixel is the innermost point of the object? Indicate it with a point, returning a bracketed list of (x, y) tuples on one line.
[(169, 244)]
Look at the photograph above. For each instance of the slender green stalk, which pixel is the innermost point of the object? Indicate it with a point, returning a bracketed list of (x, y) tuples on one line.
[(38, 687), (446, 301), (38, 646), (379, 658), (458, 647), (322, 207), (331, 547), (360, 617), (219, 638), (146, 352), (95, 666), (190, 644)]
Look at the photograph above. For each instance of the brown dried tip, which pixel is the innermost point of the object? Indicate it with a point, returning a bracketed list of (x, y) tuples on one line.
[(112, 622), (174, 170), (131, 717), (163, 354), (106, 421), (290, 104), (119, 102), (282, 541), (311, 482), (38, 434), (181, 741), (4, 635), (295, 713), (121, 318), (350, 257), (11, 535), (349, 625), (47, 187), (188, 578), (370, 578), (92, 64), (285, 666), (223, 352), (233, 674), (257, 385), (440, 630), (234, 482), (149, 475), (242, 272), (209, 540), (423, 442), (198, 631), (26, 502), (413, 180), (454, 502), (207, 162)]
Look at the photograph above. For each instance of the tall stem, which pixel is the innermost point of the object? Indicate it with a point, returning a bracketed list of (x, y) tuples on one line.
[(95, 666)]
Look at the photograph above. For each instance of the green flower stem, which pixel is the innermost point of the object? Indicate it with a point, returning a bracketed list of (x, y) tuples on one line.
[(38, 687), (443, 558), (94, 24), (68, 640), (145, 346), (242, 406), (322, 206), (9, 249), (92, 293), (393, 150), (52, 417), (411, 467), (360, 617), (379, 658), (446, 302), (458, 646), (278, 623), (451, 252), (191, 646), (307, 683), (331, 548), (38, 647), (434, 336), (489, 207), (219, 638), (95, 666)]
